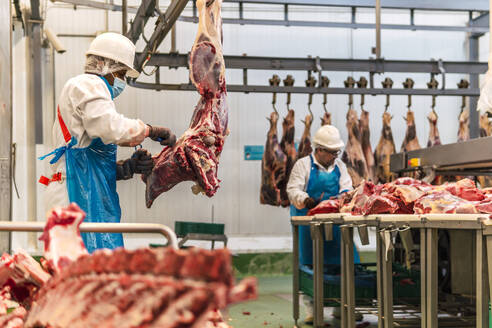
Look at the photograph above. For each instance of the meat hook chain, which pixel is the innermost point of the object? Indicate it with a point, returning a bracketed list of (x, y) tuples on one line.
[(350, 83), (464, 84), (408, 84), (362, 84), (311, 83), (387, 84), (324, 83), (274, 82), (288, 82), (433, 84)]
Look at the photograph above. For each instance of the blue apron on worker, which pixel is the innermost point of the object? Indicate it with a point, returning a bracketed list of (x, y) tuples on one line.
[(321, 185), (91, 183)]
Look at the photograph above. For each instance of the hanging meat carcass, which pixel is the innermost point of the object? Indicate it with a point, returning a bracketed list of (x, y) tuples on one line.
[(353, 156), (326, 118), (288, 147), (464, 128), (434, 139), (384, 149), (411, 142), (305, 148), (272, 166), (366, 145), (195, 157)]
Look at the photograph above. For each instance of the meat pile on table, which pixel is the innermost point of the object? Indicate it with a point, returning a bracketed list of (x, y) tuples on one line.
[(410, 196), (162, 287)]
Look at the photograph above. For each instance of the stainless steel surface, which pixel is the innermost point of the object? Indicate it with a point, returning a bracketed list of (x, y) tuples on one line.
[(473, 153), (423, 277), (431, 277), (379, 279), (317, 238), (124, 16), (363, 234), (5, 120), (329, 64), (328, 227), (387, 279), (343, 282), (473, 52), (99, 227), (36, 63), (350, 281), (488, 240), (482, 295), (378, 29), (143, 14), (295, 273)]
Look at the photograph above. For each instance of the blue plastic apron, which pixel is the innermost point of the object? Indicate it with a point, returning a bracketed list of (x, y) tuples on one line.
[(325, 185), (91, 183)]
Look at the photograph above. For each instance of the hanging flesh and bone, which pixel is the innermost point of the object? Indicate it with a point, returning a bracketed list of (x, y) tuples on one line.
[(411, 141), (272, 166), (289, 149), (195, 157), (326, 118), (366, 145), (464, 129), (305, 148), (384, 149), (434, 139), (353, 156), (160, 287)]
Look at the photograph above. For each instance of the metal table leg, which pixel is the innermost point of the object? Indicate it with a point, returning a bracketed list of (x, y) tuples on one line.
[(431, 276), (388, 280), (295, 272), (482, 302), (423, 277), (317, 238), (343, 280), (350, 281), (489, 262), (379, 277)]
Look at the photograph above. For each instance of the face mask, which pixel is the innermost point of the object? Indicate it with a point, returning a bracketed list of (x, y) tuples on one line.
[(118, 86)]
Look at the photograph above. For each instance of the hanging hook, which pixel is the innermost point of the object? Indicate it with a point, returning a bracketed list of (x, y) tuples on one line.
[(288, 82), (274, 82), (387, 84), (350, 83), (433, 84), (464, 84), (362, 84), (324, 83), (408, 84), (310, 83)]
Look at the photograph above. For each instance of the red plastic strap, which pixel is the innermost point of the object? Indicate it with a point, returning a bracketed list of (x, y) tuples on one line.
[(66, 134), (46, 181)]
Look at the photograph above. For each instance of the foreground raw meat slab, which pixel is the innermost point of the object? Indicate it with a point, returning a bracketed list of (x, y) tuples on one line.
[(326, 206), (272, 166), (195, 157), (443, 202)]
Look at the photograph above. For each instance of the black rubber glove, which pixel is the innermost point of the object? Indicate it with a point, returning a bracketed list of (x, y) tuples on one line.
[(140, 162), (310, 203), (162, 135)]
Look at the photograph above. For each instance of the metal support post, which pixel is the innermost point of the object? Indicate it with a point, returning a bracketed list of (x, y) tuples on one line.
[(318, 297), (295, 273), (474, 115), (482, 295), (379, 276), (124, 16), (423, 277), (348, 286), (377, 51), (144, 12), (489, 262), (431, 277), (387, 279)]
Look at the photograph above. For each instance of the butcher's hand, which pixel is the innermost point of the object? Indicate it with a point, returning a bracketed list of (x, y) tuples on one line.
[(310, 203), (141, 163), (162, 135)]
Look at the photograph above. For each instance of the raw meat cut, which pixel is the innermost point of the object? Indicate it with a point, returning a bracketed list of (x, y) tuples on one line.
[(464, 129), (272, 166), (15, 319), (411, 141), (366, 144), (288, 147), (353, 156), (434, 139), (443, 202), (326, 118), (384, 149), (305, 148), (62, 234), (353, 202), (195, 157), (379, 204), (326, 206)]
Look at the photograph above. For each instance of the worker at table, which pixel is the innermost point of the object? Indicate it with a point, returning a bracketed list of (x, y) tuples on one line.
[(315, 178), (86, 133)]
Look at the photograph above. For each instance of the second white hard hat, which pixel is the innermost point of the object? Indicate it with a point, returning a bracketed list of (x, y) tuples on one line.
[(328, 137), (116, 47)]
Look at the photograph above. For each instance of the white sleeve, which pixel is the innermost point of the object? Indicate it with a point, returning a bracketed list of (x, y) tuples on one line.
[(484, 103), (345, 179), (100, 118), (297, 184)]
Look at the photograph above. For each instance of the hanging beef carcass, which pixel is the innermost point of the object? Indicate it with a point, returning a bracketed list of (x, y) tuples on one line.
[(305, 148), (353, 156), (366, 144), (289, 148), (434, 139), (464, 128), (384, 149), (326, 118), (161, 287), (411, 142), (272, 166), (195, 157)]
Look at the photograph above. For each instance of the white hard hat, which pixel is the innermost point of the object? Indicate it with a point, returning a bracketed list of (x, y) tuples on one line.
[(328, 137), (116, 47)]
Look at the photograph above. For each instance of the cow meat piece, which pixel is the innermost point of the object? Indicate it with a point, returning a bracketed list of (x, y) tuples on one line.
[(326, 118), (195, 157), (357, 199), (407, 193), (326, 206), (379, 204), (465, 189), (366, 145), (353, 156), (443, 202), (272, 166), (410, 142), (464, 129), (14, 319), (384, 149), (434, 139), (289, 149), (305, 148)]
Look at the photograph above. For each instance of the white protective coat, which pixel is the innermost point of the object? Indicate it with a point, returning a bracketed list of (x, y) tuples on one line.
[(89, 112), (299, 178), (484, 103)]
